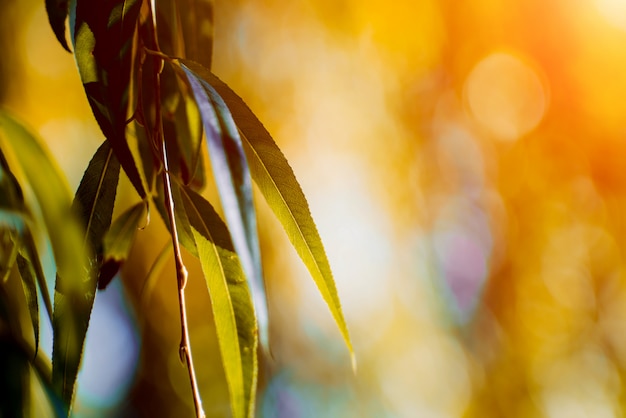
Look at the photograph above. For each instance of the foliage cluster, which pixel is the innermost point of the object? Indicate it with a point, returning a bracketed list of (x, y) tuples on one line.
[(145, 67)]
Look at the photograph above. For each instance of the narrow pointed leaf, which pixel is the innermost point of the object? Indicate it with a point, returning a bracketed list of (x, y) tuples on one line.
[(72, 301), (277, 182), (232, 305), (118, 241), (232, 176), (30, 253), (95, 199), (8, 250), (27, 273), (57, 14), (102, 35)]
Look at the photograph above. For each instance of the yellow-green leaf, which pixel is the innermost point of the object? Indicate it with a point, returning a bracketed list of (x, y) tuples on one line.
[(232, 177), (232, 305), (276, 180)]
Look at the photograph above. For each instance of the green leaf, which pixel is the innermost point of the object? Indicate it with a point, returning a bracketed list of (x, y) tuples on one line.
[(232, 176), (57, 14), (232, 306), (95, 199), (72, 304), (27, 272), (102, 35), (118, 241), (276, 180), (18, 216), (29, 251)]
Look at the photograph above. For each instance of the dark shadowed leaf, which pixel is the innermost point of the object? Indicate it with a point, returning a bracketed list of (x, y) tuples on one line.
[(12, 209), (118, 241), (8, 250), (186, 29), (277, 182), (57, 14), (95, 198), (232, 176), (232, 306), (27, 272), (103, 36), (72, 301)]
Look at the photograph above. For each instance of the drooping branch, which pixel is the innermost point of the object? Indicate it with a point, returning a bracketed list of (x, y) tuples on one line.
[(181, 270)]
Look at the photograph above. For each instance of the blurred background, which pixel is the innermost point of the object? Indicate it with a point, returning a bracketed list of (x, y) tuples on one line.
[(465, 165)]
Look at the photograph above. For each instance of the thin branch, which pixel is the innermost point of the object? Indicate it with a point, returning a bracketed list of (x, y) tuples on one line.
[(181, 270), (181, 276)]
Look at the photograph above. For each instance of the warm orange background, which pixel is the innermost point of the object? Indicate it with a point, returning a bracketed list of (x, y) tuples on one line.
[(466, 165)]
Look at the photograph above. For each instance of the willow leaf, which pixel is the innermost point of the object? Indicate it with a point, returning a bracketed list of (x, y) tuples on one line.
[(95, 199), (230, 297), (27, 273), (102, 34), (57, 14), (72, 301), (8, 250), (118, 242), (278, 184), (232, 176), (18, 216), (11, 222), (29, 251)]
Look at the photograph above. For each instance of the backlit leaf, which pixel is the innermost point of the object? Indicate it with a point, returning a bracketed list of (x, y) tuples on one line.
[(57, 14), (232, 176), (277, 182), (72, 301), (232, 306)]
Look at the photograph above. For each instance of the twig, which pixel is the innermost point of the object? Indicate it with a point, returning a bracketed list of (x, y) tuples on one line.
[(181, 270), (181, 276)]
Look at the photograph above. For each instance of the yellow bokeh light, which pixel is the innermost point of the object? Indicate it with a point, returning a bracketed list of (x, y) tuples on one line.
[(506, 96)]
